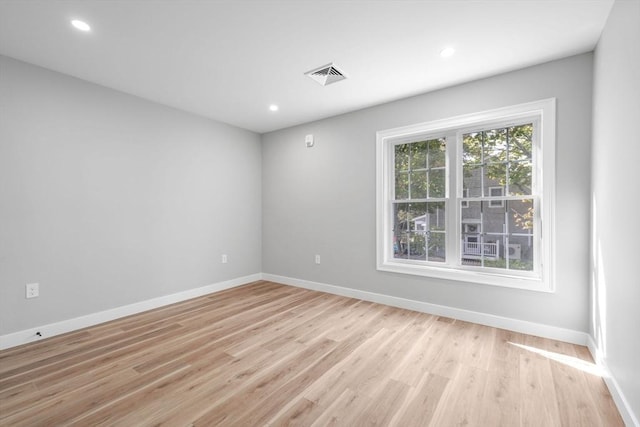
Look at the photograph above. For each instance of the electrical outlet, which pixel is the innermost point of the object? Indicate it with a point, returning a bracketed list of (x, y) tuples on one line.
[(225, 259), (317, 259), (32, 290)]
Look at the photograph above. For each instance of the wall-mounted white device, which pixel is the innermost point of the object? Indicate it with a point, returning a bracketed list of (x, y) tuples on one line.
[(32, 290), (308, 140)]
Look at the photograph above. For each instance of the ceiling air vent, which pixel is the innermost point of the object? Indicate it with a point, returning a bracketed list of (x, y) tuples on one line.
[(326, 74)]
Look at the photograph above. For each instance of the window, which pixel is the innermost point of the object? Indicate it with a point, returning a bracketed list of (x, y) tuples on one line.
[(465, 199), (496, 192), (465, 194), (419, 203)]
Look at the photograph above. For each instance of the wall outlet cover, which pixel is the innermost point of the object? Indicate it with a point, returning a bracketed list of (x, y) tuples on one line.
[(32, 290)]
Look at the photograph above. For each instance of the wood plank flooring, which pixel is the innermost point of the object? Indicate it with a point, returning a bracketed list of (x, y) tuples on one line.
[(269, 354)]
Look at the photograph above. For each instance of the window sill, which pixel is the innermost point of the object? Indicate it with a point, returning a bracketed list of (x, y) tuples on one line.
[(470, 276)]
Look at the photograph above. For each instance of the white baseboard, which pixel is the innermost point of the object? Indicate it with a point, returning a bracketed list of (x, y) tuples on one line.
[(621, 402), (523, 326), (546, 331), (52, 329)]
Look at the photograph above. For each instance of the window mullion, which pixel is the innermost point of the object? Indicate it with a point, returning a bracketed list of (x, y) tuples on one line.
[(454, 181)]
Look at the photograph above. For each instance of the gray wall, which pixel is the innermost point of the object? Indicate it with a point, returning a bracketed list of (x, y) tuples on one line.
[(322, 200), (616, 201), (107, 199)]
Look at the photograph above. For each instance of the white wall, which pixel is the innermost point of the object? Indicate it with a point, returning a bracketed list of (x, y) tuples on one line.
[(615, 317), (107, 199), (322, 200)]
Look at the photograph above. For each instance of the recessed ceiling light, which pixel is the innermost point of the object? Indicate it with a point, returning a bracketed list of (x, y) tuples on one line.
[(273, 107), (80, 25), (447, 52)]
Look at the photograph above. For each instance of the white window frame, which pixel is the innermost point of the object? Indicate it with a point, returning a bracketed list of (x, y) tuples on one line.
[(543, 277)]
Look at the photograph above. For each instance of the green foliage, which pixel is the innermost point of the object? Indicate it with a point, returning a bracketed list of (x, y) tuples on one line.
[(418, 244), (514, 264), (524, 220), (420, 170), (501, 155), (492, 157)]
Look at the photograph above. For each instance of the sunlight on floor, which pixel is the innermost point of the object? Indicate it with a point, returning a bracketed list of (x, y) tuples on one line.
[(573, 362)]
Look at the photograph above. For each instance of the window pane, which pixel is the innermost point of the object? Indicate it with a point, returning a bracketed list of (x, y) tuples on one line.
[(508, 235), (497, 233), (436, 216), (402, 185), (400, 245), (436, 247), (493, 251), (401, 217), (418, 216), (419, 185), (520, 215), (495, 146), (520, 142), (470, 232), (419, 155), (494, 229), (472, 148), (520, 253), (402, 157), (520, 178), (493, 218), (472, 180), (471, 214), (437, 153), (418, 219), (437, 183), (495, 175), (426, 240), (475, 250), (417, 246), (400, 230), (418, 222)]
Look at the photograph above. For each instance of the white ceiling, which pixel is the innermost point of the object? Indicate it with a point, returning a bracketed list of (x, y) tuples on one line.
[(229, 60)]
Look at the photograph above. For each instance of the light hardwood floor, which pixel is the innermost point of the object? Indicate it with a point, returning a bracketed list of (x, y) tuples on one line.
[(269, 354)]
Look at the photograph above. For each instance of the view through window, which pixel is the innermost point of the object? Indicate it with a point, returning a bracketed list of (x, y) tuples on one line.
[(466, 195)]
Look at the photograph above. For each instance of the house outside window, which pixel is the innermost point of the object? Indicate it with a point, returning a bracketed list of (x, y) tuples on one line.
[(465, 194), (465, 199)]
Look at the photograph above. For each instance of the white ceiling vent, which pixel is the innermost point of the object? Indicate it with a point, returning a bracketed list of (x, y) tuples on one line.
[(326, 74)]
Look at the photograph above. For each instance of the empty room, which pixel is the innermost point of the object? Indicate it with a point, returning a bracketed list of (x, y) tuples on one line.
[(311, 213)]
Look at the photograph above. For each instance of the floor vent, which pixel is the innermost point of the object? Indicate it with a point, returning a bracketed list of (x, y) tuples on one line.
[(326, 74)]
